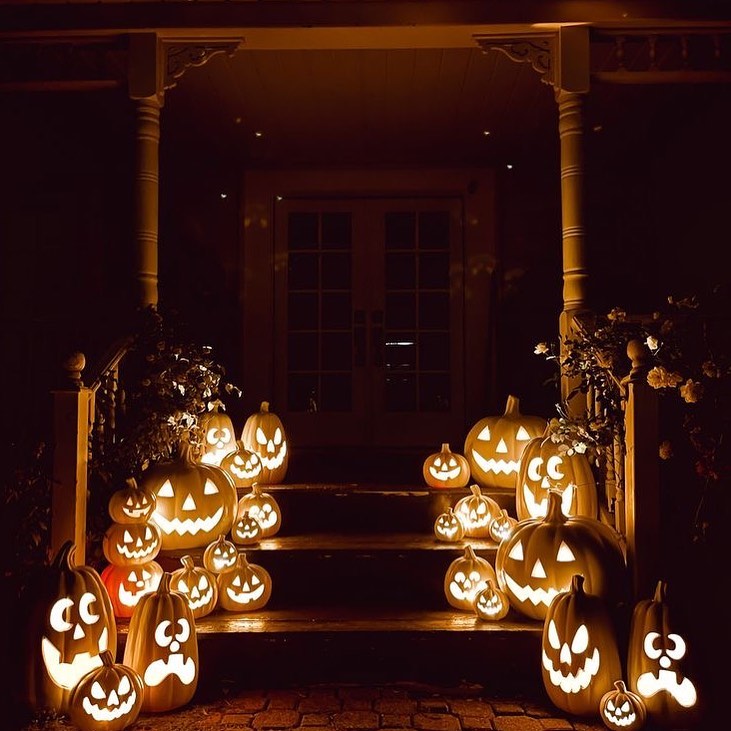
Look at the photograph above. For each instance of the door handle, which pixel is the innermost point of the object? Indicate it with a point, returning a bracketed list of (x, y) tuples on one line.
[(359, 338), (377, 343)]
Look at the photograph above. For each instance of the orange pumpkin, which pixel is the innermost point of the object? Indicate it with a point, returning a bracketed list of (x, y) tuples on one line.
[(219, 436), (246, 530), (242, 465), (449, 527), (264, 434), (198, 585), (245, 587), (131, 504), (501, 526), (127, 584), (446, 468), (477, 510), (466, 576), (622, 710), (130, 544), (220, 555), (491, 603), (263, 508)]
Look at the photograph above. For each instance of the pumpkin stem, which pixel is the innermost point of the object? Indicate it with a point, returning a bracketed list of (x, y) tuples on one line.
[(131, 483), (469, 552), (660, 592), (475, 489), (512, 406), (620, 686), (187, 562), (264, 407), (554, 514), (107, 658), (577, 584), (65, 556), (445, 447)]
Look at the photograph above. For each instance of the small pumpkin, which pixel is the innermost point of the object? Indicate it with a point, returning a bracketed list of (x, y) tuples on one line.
[(546, 465), (131, 544), (220, 555), (162, 646), (466, 576), (449, 527), (109, 698), (494, 445), (264, 508), (245, 587), (501, 526), (242, 465), (264, 434), (131, 504), (70, 622), (446, 468), (491, 603), (477, 510), (127, 584), (579, 652), (246, 530), (219, 435), (622, 710), (198, 585)]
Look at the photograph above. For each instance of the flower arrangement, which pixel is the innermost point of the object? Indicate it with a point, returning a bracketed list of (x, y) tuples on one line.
[(688, 343)]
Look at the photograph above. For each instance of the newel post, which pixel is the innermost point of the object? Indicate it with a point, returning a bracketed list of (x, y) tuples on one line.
[(642, 473), (73, 409)]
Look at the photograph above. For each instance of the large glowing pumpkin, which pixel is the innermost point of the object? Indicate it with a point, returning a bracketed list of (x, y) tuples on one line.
[(70, 624), (264, 434), (162, 646), (546, 465), (539, 559), (660, 662), (580, 657), (446, 468), (466, 576), (494, 445), (219, 436), (194, 502)]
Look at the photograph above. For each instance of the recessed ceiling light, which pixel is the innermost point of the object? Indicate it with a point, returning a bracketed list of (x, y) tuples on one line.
[(509, 166), (486, 132), (258, 134), (224, 195)]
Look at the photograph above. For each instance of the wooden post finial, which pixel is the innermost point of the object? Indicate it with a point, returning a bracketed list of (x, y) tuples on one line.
[(72, 366)]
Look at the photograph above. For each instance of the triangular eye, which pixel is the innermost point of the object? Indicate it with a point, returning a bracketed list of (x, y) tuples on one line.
[(148, 533), (580, 641), (516, 552), (522, 435), (484, 435), (210, 488), (278, 436), (127, 537), (166, 490), (565, 554), (260, 436), (438, 462), (452, 462), (97, 691), (625, 707)]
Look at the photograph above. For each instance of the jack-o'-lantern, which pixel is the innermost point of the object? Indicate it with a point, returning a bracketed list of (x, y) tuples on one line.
[(246, 530), (546, 465), (220, 555), (494, 445), (491, 603), (264, 434), (198, 585), (242, 465), (131, 504), (70, 623), (466, 576), (501, 526), (579, 653), (195, 502), (622, 710), (127, 584), (129, 544), (477, 510), (449, 527), (245, 587), (108, 698), (264, 508), (162, 646), (542, 555), (446, 468), (659, 662), (219, 435)]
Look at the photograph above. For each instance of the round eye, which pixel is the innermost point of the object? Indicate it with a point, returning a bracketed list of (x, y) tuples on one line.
[(484, 435), (459, 577), (534, 467), (166, 489), (210, 488), (97, 691), (184, 631), (163, 636), (211, 437), (86, 604), (553, 467), (260, 436), (581, 640), (58, 615), (650, 650), (475, 576), (678, 649), (553, 636)]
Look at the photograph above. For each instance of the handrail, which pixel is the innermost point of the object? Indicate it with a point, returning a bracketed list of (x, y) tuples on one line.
[(110, 361)]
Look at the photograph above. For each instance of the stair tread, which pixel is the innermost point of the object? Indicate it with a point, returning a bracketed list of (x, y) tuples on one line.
[(351, 619), (373, 488)]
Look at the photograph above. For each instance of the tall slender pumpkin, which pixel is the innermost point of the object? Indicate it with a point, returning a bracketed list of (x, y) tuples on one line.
[(264, 434)]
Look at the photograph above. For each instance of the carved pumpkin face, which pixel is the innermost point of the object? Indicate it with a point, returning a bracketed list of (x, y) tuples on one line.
[(245, 587), (541, 556), (477, 511), (130, 544), (162, 646), (131, 504), (198, 585), (108, 698), (446, 469), (501, 526), (622, 710), (580, 656), (242, 466), (490, 603), (546, 465), (264, 434), (494, 445), (448, 527), (71, 625), (220, 555), (465, 577), (659, 663), (263, 508), (246, 530), (219, 437), (194, 502), (127, 584)]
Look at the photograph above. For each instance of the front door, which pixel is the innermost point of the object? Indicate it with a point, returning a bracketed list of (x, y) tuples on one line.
[(368, 320)]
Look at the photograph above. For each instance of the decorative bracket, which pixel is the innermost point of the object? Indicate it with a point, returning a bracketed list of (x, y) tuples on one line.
[(180, 55), (536, 49)]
